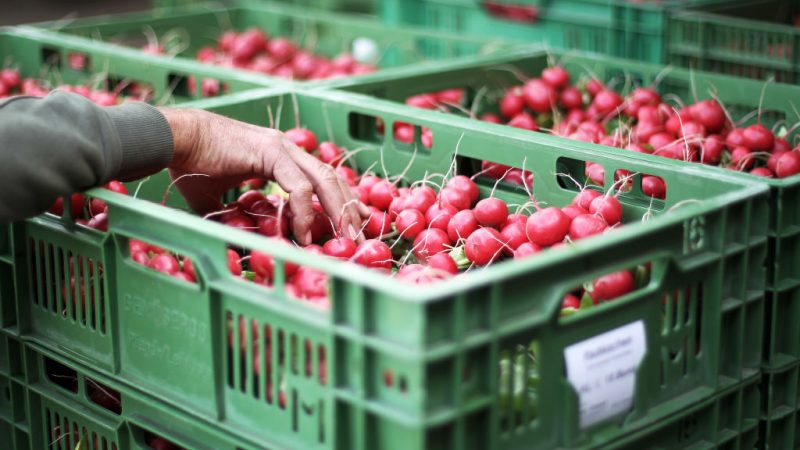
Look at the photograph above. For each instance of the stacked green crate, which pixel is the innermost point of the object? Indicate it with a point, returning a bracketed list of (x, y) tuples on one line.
[(52, 58), (716, 35), (701, 314), (329, 34), (782, 338)]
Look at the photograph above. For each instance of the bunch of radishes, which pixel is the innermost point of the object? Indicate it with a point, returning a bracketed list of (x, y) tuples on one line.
[(276, 56), (89, 212), (12, 83), (418, 233), (590, 111)]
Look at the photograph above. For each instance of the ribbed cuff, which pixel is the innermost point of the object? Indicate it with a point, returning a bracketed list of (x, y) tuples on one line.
[(145, 138)]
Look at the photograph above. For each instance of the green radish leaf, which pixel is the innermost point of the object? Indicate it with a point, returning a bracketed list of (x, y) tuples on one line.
[(458, 255), (641, 276), (586, 302), (249, 275)]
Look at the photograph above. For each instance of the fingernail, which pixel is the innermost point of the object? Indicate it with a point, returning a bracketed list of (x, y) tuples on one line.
[(308, 238)]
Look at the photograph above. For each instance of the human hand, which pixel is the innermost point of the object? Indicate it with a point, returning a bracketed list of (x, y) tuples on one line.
[(214, 154)]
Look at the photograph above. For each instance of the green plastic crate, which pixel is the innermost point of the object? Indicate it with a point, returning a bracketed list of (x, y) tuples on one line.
[(41, 54), (14, 432), (780, 411), (329, 33), (734, 46), (440, 343), (61, 412), (729, 420), (657, 32), (782, 340)]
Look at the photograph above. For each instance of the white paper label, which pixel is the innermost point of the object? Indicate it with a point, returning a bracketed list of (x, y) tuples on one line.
[(602, 370)]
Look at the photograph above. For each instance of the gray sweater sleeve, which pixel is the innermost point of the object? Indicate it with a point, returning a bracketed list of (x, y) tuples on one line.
[(64, 143)]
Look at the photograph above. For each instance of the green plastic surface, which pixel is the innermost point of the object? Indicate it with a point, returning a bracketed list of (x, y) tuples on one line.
[(658, 32), (740, 96), (326, 33), (43, 406), (46, 55), (442, 343), (780, 410)]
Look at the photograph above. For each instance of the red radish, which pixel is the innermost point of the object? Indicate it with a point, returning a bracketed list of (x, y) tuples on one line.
[(227, 40), (184, 277), (453, 197), (140, 258), (555, 76), (711, 151), (303, 65), (252, 183), (571, 301), (347, 174), (465, 185), (249, 198), (772, 161), (512, 103), (710, 114), (513, 235), (788, 164), (461, 225), (523, 121), (645, 96), (310, 283), (165, 263), (281, 49), (758, 138), (438, 216), (491, 212), (209, 87), (571, 98), (330, 153), (516, 218), (430, 242), (494, 170), (762, 172), (206, 54), (607, 207), (741, 158), (262, 264), (585, 198), (303, 138), (596, 173), (10, 78), (374, 253), (654, 187), (404, 133), (97, 206), (611, 286), (526, 249), (606, 102), (547, 226), (594, 86), (585, 226), (274, 225), (116, 186), (378, 225), (573, 211), (342, 248), (410, 223), (491, 118), (240, 221), (344, 62), (483, 246), (234, 263), (539, 96), (453, 96), (444, 262), (381, 195), (426, 101), (421, 198), (99, 222), (781, 145), (735, 138)]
